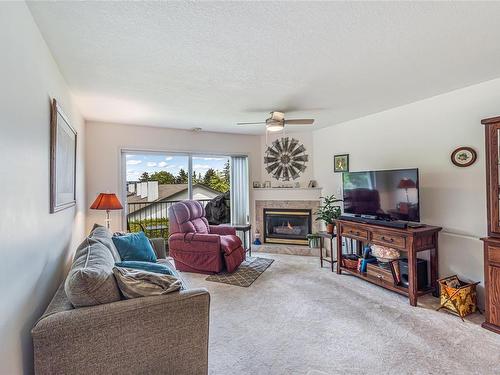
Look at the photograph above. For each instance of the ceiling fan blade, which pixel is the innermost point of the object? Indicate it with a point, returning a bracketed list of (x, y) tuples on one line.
[(302, 121), (250, 123)]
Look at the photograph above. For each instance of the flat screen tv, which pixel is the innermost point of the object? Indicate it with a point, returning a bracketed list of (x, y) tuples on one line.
[(384, 195)]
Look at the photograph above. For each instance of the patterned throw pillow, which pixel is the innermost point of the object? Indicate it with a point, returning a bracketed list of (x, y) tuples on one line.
[(137, 283)]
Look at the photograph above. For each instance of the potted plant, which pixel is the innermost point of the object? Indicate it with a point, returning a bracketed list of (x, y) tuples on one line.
[(329, 211), (313, 240)]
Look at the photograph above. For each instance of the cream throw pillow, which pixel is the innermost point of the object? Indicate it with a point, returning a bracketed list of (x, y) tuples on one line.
[(138, 283)]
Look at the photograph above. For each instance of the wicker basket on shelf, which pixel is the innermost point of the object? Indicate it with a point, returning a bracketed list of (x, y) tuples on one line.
[(350, 263)]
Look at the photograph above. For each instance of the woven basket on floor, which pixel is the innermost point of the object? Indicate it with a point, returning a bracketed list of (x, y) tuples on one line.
[(457, 296)]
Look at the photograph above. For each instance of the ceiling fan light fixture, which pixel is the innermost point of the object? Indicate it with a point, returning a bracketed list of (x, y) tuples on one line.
[(275, 127)]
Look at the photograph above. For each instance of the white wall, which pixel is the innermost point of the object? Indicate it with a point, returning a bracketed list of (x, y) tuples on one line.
[(106, 140), (305, 138), (423, 135), (35, 246)]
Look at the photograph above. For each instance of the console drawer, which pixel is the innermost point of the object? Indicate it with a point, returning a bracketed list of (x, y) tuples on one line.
[(494, 254), (379, 273), (389, 240), (354, 232)]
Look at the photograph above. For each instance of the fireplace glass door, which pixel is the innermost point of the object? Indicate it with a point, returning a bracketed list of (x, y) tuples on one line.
[(287, 226)]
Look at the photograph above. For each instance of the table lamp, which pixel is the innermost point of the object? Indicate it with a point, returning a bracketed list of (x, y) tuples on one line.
[(407, 183), (106, 201)]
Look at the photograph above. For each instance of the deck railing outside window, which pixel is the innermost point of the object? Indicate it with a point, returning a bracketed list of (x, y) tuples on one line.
[(151, 217)]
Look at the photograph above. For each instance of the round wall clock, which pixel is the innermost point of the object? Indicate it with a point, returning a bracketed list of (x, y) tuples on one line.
[(286, 159), (463, 156)]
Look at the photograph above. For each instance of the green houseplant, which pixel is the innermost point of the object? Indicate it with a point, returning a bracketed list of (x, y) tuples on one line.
[(329, 211), (313, 240)]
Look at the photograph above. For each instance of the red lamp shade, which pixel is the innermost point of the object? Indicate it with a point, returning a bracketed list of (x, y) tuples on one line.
[(106, 201), (407, 183)]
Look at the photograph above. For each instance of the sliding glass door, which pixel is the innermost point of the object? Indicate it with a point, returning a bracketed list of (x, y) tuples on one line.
[(156, 180)]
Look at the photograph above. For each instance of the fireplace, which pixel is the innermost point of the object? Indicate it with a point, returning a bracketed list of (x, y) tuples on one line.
[(287, 226)]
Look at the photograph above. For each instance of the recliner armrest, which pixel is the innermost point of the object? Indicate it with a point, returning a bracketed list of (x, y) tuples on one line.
[(222, 230), (195, 237)]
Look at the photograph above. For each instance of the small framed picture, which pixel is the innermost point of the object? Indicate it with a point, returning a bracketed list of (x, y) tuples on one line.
[(463, 156), (256, 185), (341, 163), (312, 184)]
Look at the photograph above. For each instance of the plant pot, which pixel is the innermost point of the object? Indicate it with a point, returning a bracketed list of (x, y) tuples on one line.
[(329, 228), (314, 242)]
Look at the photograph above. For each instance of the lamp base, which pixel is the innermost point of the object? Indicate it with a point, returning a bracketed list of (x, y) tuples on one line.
[(108, 220)]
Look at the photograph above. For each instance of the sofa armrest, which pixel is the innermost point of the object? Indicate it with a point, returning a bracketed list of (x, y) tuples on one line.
[(222, 230), (160, 334), (159, 247)]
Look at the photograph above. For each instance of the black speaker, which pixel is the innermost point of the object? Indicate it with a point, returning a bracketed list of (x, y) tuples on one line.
[(422, 280)]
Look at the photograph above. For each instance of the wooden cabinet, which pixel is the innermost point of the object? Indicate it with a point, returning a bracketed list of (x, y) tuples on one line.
[(411, 241), (492, 242)]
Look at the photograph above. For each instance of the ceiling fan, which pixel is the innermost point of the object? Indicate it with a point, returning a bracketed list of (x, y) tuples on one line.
[(277, 122)]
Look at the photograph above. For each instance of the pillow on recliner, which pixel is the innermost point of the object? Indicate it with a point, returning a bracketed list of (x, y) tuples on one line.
[(135, 246)]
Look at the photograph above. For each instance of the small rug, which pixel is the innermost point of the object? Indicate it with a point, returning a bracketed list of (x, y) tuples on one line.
[(245, 275)]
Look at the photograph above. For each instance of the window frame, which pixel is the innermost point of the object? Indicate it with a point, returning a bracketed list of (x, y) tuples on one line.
[(123, 169)]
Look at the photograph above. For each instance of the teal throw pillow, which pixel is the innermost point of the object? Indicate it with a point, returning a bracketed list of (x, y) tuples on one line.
[(134, 246), (146, 266)]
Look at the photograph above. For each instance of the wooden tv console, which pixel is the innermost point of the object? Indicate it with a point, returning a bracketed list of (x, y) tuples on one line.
[(410, 240)]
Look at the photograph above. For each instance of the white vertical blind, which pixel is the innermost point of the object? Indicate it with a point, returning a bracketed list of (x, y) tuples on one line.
[(239, 190)]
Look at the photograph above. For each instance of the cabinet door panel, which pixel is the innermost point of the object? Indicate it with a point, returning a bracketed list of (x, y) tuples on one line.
[(494, 294)]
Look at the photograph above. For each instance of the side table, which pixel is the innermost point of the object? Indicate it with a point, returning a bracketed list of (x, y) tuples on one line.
[(246, 229), (330, 237)]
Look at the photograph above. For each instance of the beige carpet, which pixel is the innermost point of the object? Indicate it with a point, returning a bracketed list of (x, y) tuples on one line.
[(299, 319)]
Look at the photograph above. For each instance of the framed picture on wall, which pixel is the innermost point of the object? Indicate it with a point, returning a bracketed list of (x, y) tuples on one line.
[(62, 160), (341, 163)]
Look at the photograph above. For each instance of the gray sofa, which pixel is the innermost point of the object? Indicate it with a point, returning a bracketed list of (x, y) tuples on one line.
[(165, 334)]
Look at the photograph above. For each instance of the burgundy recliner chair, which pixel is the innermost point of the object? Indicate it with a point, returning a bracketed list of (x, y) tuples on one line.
[(199, 247)]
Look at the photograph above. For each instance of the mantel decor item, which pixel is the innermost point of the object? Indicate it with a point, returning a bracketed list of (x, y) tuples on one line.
[(62, 160), (286, 159), (106, 201), (329, 211), (463, 156), (341, 163)]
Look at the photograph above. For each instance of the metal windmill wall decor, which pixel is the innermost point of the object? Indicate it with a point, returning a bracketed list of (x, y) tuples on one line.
[(285, 159)]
